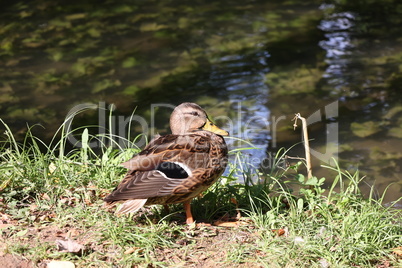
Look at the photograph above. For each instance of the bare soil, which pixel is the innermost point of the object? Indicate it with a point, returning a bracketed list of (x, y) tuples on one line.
[(203, 246)]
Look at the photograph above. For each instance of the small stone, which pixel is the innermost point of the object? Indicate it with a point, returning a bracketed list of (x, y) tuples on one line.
[(299, 240), (60, 264)]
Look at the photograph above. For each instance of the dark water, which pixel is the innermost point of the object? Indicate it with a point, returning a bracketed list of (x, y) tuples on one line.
[(251, 64)]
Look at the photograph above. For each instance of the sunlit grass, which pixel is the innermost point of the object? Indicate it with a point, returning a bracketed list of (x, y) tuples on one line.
[(49, 193), (339, 230)]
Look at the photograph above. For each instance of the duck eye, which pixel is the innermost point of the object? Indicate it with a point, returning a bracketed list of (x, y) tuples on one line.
[(195, 113)]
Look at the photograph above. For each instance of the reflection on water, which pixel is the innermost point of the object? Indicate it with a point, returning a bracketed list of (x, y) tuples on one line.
[(255, 63), (243, 79), (338, 45), (353, 73)]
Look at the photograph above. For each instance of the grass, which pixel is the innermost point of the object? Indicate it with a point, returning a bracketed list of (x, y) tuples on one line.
[(49, 194)]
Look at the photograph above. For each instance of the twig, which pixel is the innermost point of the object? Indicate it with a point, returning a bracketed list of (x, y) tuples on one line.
[(305, 141), (295, 157)]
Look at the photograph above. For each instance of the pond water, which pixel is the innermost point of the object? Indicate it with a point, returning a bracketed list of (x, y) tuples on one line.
[(251, 64)]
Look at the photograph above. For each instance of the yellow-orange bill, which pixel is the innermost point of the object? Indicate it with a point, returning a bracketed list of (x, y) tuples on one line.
[(213, 128)]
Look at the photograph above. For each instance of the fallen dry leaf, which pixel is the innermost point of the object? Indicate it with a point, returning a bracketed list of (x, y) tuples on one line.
[(226, 223), (397, 251), (33, 207), (279, 232), (45, 196), (324, 263), (52, 167), (384, 264), (5, 218), (73, 233), (69, 246), (131, 250)]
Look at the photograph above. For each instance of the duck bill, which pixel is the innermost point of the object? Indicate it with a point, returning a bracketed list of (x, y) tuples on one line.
[(209, 126)]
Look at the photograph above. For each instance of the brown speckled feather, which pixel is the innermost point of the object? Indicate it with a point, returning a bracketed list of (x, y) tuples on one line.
[(173, 168), (203, 152)]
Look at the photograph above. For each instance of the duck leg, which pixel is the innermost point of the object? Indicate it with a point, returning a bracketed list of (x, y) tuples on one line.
[(167, 210), (189, 216)]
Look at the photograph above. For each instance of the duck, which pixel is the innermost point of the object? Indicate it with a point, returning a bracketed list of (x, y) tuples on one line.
[(174, 168)]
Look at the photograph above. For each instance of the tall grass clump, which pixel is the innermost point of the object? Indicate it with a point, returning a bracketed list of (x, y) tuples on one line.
[(51, 187), (33, 169), (324, 228)]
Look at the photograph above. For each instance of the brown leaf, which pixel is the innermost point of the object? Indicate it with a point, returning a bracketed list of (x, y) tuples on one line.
[(282, 231), (5, 218), (397, 251), (132, 250), (226, 223), (33, 207), (45, 196), (73, 233), (279, 232)]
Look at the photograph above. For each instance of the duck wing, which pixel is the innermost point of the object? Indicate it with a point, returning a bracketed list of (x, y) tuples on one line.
[(146, 184), (166, 163), (184, 149)]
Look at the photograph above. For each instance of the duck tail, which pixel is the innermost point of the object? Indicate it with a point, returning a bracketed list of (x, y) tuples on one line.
[(131, 206)]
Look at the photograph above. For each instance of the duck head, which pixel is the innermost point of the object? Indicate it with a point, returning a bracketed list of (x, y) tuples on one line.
[(188, 117)]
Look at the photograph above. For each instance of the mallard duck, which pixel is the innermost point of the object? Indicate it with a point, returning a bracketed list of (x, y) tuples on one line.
[(176, 167)]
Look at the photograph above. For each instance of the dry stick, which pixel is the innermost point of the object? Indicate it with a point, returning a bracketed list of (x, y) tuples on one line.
[(305, 141)]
